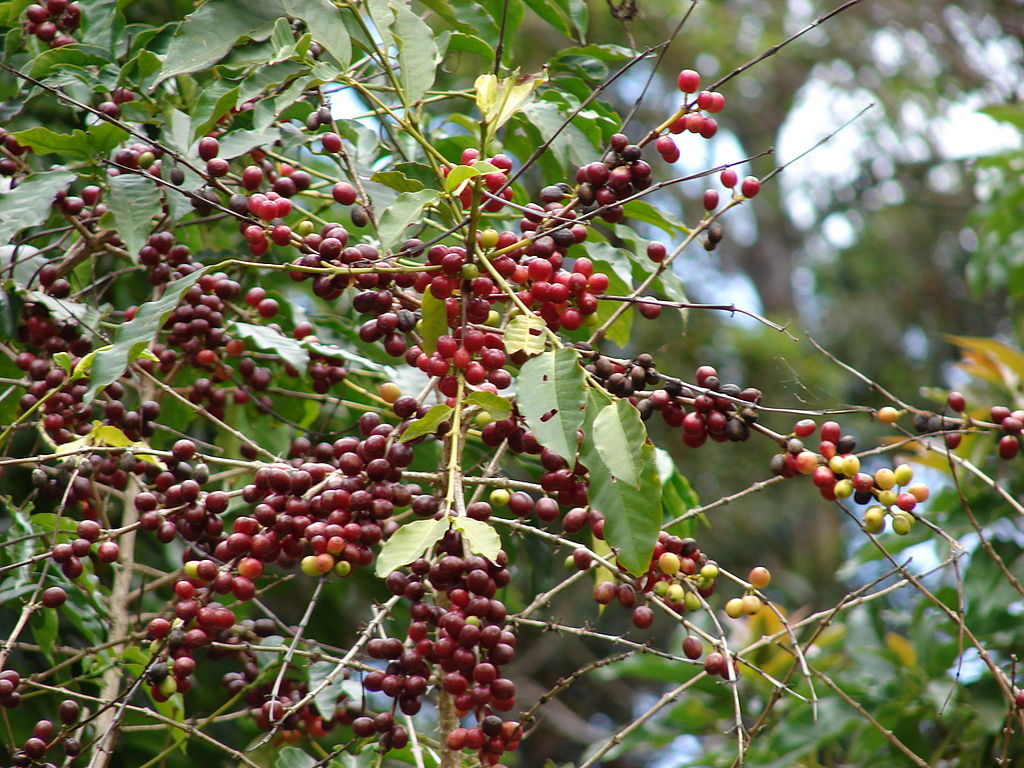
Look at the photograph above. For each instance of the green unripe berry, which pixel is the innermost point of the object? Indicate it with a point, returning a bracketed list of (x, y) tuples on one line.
[(168, 686), (874, 519), (887, 498), (661, 588), (904, 474), (191, 569), (692, 602), (493, 319), (343, 568), (146, 159), (843, 489), (569, 563), (474, 620), (304, 228), (499, 497), (675, 593), (709, 572), (469, 271), (482, 419), (902, 522)]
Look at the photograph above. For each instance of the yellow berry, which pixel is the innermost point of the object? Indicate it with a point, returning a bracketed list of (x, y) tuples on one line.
[(887, 498), (734, 608), (709, 572), (669, 563), (751, 604), (675, 593), (489, 238), (693, 602), (843, 489), (499, 497), (851, 465), (836, 465), (888, 415), (389, 391), (885, 478)]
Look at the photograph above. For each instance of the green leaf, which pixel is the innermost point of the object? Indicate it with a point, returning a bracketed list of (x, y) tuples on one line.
[(397, 180), (209, 33), (552, 396), (410, 542), (443, 9), (135, 336), (238, 143), (417, 52), (28, 204), (102, 23), (520, 336), (632, 514), (293, 757), (496, 405), (461, 173), (44, 630), (214, 102), (133, 201), (481, 537), (429, 423), (324, 21), (620, 436), (550, 12), (638, 210), (65, 309), (460, 41), (434, 321), (326, 699), (265, 337), (75, 55), (403, 212)]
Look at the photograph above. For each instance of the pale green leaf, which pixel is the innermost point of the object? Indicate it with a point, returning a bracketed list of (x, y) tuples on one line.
[(404, 211), (525, 333), (496, 405), (28, 204), (417, 52), (498, 100), (324, 21), (135, 335), (552, 396), (133, 201), (434, 321), (619, 436), (265, 337), (411, 541), (480, 537)]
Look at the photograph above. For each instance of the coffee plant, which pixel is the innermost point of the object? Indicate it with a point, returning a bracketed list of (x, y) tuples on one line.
[(323, 411)]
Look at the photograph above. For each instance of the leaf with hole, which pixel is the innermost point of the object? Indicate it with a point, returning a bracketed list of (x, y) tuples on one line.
[(552, 396)]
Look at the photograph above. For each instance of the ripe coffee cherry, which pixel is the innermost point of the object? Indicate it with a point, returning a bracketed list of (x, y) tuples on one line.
[(693, 648), (208, 148), (688, 81), (956, 402), (53, 597), (643, 617), (750, 186)]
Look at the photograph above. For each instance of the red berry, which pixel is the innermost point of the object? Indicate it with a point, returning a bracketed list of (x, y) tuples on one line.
[(750, 187), (344, 193), (208, 147), (728, 178), (710, 199), (956, 402), (688, 81), (54, 597)]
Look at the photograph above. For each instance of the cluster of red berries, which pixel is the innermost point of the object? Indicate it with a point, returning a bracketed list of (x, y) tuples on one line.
[(495, 183), (53, 22), (46, 736)]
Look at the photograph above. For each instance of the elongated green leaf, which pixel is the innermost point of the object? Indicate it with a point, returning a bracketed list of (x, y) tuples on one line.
[(213, 104), (324, 21), (75, 55), (462, 173), (550, 12), (620, 436), (480, 537), (264, 337), (237, 143), (417, 52), (208, 34), (434, 321), (677, 495), (496, 405), (133, 202), (66, 309), (525, 333), (135, 335), (552, 396), (632, 515), (409, 542), (397, 180), (405, 210), (429, 423), (28, 204)]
